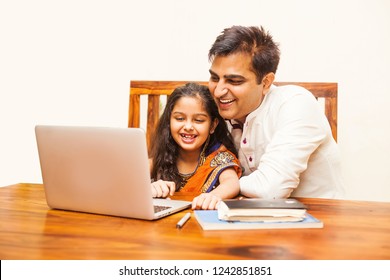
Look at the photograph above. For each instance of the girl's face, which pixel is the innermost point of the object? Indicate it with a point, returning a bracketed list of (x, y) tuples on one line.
[(190, 124)]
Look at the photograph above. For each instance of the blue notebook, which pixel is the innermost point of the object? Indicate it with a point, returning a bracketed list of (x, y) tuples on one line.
[(208, 220)]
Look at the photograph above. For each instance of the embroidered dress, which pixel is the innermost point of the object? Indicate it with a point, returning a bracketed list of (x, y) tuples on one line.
[(206, 176)]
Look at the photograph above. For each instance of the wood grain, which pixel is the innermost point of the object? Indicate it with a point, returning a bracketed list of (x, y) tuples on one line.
[(30, 230)]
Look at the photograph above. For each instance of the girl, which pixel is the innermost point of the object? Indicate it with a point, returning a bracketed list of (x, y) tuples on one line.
[(194, 151)]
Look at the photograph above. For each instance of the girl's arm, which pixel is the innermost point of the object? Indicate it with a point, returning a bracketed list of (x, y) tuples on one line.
[(229, 187)]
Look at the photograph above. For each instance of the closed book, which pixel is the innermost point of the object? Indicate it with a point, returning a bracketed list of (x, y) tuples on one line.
[(208, 220), (270, 210)]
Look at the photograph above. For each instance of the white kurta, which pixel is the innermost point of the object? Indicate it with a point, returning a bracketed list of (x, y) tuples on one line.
[(286, 148)]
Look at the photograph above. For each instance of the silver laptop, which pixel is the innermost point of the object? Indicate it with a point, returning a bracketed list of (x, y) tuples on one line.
[(99, 170)]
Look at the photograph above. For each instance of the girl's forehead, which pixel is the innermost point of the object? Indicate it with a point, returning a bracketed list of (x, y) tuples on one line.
[(190, 101)]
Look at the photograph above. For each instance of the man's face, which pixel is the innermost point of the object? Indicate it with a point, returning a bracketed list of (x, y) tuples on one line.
[(234, 87)]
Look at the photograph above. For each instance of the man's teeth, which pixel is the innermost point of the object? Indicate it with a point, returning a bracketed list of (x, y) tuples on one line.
[(225, 101)]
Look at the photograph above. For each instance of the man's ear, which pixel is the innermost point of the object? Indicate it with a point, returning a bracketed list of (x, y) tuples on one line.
[(214, 125), (268, 81)]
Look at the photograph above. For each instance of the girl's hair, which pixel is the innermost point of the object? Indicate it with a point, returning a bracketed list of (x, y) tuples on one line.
[(164, 150)]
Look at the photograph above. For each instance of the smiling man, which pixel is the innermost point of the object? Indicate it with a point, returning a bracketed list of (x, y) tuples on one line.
[(284, 140)]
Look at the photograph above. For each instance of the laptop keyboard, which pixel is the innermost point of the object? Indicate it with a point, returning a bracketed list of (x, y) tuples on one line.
[(159, 208)]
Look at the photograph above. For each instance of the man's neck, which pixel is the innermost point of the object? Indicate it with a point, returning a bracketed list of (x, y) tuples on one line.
[(236, 124)]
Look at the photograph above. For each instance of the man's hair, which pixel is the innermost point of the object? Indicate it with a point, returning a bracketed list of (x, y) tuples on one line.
[(252, 40)]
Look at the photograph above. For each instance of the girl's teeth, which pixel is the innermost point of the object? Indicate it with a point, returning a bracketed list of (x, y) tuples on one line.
[(187, 136)]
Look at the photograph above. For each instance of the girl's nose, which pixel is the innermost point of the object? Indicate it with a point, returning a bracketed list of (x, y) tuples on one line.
[(188, 126)]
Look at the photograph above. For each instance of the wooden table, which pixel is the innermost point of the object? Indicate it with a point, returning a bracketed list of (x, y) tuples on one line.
[(30, 230)]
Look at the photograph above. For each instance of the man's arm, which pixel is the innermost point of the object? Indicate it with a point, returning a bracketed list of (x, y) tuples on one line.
[(298, 128)]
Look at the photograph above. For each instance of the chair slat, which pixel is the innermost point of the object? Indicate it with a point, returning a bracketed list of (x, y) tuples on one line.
[(153, 116)]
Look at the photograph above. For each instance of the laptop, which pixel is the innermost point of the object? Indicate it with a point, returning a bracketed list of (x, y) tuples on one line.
[(99, 170)]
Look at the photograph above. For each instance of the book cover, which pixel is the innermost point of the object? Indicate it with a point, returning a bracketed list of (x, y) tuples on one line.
[(259, 203), (261, 210), (208, 220)]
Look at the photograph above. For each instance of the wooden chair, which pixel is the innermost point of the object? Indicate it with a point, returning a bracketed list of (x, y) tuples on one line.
[(153, 90)]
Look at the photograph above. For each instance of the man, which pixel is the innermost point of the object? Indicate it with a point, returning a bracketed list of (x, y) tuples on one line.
[(284, 140)]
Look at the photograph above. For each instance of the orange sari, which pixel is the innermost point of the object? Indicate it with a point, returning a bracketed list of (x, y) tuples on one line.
[(206, 177)]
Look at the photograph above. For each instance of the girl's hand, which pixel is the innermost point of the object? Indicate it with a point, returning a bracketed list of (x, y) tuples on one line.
[(206, 201), (162, 188)]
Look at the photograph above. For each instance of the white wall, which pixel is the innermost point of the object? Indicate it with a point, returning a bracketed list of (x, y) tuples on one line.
[(70, 62)]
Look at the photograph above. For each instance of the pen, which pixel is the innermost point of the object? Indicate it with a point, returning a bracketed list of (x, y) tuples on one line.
[(183, 220)]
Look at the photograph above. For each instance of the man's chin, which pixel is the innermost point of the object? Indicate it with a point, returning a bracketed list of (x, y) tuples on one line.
[(227, 114)]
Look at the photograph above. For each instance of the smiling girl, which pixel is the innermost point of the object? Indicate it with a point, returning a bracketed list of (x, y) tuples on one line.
[(193, 150)]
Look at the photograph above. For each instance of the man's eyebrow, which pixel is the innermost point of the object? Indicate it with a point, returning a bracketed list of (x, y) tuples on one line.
[(234, 76), (231, 76), (212, 72)]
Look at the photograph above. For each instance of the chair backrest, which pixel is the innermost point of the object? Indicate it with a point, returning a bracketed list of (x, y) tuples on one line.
[(153, 90)]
